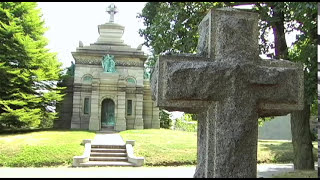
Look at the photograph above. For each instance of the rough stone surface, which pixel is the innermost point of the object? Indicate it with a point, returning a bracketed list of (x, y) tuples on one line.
[(230, 87)]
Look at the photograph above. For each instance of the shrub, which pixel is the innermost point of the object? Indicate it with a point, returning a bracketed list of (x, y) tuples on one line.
[(165, 121), (186, 123)]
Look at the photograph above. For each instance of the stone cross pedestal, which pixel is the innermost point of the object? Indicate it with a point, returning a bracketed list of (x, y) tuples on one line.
[(229, 87)]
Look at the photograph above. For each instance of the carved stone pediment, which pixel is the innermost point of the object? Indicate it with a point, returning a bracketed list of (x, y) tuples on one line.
[(96, 60)]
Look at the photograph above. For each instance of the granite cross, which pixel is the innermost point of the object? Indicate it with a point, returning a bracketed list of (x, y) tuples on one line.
[(229, 87), (112, 10)]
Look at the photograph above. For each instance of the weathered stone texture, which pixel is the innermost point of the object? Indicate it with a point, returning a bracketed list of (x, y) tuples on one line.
[(229, 87)]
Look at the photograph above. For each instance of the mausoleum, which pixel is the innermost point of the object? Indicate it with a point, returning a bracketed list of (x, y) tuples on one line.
[(109, 89)]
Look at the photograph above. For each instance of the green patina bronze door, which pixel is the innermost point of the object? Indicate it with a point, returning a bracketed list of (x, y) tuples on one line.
[(107, 114)]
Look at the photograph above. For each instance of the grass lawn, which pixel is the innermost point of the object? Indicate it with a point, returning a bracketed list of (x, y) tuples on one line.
[(159, 147), (164, 147), (298, 174), (279, 151), (41, 148), (170, 148)]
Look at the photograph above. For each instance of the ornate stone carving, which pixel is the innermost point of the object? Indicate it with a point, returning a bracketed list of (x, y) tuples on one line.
[(108, 63), (97, 61)]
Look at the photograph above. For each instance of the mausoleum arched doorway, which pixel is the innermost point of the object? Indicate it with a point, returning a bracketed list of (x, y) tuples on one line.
[(107, 114)]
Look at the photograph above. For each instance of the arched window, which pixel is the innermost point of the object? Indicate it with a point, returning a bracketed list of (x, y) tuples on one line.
[(131, 81), (87, 79)]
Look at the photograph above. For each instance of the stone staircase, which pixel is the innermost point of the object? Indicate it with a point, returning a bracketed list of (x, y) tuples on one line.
[(107, 149), (108, 155)]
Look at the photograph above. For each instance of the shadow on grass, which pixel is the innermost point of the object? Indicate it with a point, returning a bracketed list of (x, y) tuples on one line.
[(283, 152), (172, 164), (298, 174)]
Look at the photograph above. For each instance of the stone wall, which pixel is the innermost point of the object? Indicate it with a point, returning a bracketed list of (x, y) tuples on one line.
[(278, 128), (65, 106), (150, 111), (113, 86)]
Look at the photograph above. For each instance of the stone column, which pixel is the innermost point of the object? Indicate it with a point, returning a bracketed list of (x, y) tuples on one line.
[(201, 168), (94, 123), (155, 122), (138, 122), (232, 137), (121, 124), (75, 120)]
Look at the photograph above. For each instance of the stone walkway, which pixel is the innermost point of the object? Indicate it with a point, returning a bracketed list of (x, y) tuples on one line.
[(107, 138), (264, 170)]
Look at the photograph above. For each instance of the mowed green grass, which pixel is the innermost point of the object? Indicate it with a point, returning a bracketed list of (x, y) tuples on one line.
[(279, 151), (170, 148), (298, 174), (42, 148), (163, 147), (159, 147)]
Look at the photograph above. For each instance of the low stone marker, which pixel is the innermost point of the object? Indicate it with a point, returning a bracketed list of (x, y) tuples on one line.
[(229, 87)]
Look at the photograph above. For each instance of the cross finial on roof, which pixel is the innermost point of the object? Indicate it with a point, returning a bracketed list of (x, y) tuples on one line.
[(112, 10)]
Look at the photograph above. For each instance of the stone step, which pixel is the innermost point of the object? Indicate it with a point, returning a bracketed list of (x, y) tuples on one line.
[(101, 163), (104, 150), (99, 154), (108, 146), (108, 159)]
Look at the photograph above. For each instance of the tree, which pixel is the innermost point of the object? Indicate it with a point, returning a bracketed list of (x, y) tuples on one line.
[(28, 71), (172, 27), (285, 17), (165, 121)]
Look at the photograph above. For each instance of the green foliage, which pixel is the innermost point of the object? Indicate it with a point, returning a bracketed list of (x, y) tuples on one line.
[(149, 65), (186, 123), (262, 120), (301, 17), (305, 51), (172, 26), (71, 69), (28, 71), (185, 126), (314, 108), (165, 121)]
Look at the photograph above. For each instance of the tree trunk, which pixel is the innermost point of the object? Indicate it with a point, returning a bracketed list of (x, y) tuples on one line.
[(281, 48), (300, 128), (301, 139)]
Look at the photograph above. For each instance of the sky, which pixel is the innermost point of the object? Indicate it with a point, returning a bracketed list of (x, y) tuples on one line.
[(71, 22)]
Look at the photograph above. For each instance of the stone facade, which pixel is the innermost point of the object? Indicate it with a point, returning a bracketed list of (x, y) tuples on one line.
[(126, 88)]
